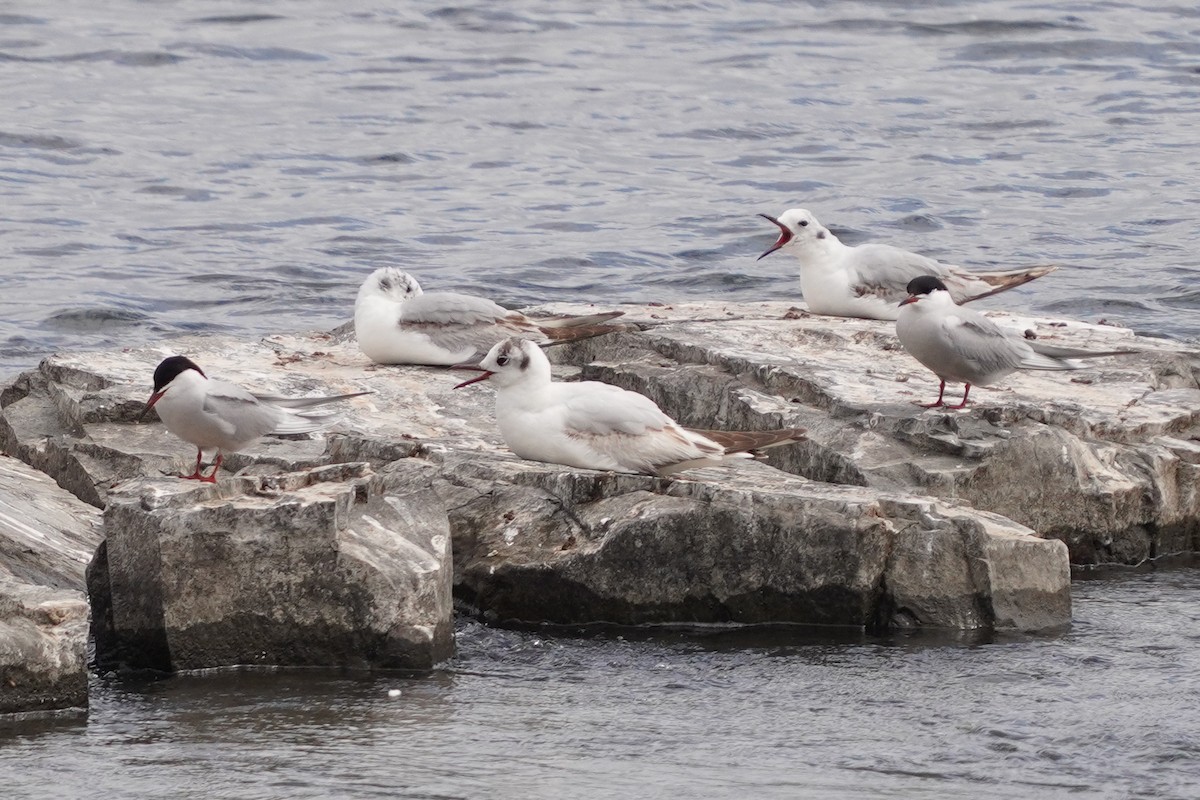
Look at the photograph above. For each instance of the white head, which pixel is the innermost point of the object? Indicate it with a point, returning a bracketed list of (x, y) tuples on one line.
[(390, 283), (925, 294), (798, 229), (512, 362)]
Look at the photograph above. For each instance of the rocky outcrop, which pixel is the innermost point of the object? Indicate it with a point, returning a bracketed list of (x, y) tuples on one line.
[(46, 539), (891, 515), (332, 566), (535, 542), (1107, 458)]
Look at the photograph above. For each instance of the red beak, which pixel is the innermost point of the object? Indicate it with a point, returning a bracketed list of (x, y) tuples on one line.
[(785, 236), (912, 298), (150, 404), (486, 374)]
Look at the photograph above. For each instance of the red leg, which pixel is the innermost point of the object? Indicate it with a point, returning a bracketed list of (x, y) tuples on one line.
[(212, 477), (936, 403), (195, 476), (966, 392)]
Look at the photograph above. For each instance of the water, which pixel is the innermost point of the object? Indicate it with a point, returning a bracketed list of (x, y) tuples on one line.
[(1106, 710), (240, 167), (179, 166)]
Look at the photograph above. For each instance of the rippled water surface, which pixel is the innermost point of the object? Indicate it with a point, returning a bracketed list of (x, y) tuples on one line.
[(1108, 709), (240, 167)]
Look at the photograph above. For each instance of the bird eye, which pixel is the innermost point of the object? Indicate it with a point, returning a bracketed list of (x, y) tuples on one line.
[(803, 223), (501, 361)]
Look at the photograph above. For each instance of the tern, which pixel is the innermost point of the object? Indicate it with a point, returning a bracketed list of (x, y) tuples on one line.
[(963, 346), (868, 280), (395, 322), (593, 425), (212, 413)]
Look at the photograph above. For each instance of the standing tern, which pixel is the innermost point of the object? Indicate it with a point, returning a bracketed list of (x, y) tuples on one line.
[(963, 346), (395, 322), (212, 413), (868, 280), (593, 425)]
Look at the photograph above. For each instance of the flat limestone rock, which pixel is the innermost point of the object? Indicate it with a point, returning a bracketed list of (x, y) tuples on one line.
[(1106, 458), (538, 543), (335, 566), (46, 539), (746, 366)]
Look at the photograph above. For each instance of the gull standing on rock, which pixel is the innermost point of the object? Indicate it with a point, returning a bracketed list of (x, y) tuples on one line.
[(397, 323), (593, 425), (211, 413), (961, 345), (868, 280)]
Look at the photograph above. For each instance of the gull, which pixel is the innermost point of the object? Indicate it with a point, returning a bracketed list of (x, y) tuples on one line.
[(963, 346), (395, 322), (593, 425), (868, 280), (212, 413)]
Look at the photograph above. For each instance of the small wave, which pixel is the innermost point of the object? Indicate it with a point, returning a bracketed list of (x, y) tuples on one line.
[(994, 27), (389, 158), (90, 319), (493, 21), (121, 57), (756, 133), (64, 249), (177, 191), (252, 53), (20, 19), (39, 142), (236, 19)]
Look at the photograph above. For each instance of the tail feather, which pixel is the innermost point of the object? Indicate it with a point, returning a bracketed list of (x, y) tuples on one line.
[(1004, 280), (1048, 356), (747, 441), (305, 423), (1037, 360), (577, 333), (305, 402), (576, 322), (1053, 351)]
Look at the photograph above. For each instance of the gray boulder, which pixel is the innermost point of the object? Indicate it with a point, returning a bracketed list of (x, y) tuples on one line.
[(538, 543), (46, 539), (897, 523), (333, 566), (1107, 458)]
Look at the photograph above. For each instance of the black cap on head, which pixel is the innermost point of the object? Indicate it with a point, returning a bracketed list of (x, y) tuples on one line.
[(170, 367), (924, 285)]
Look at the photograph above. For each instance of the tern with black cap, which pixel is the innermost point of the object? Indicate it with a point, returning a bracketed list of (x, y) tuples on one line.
[(963, 346), (211, 413)]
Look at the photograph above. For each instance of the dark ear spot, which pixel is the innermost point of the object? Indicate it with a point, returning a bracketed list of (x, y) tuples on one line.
[(385, 284), (821, 234), (524, 365)]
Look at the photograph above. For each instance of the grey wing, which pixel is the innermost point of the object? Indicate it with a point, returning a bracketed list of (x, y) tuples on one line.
[(885, 271), (596, 408), (239, 413), (460, 321), (630, 429), (985, 347), (448, 308)]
